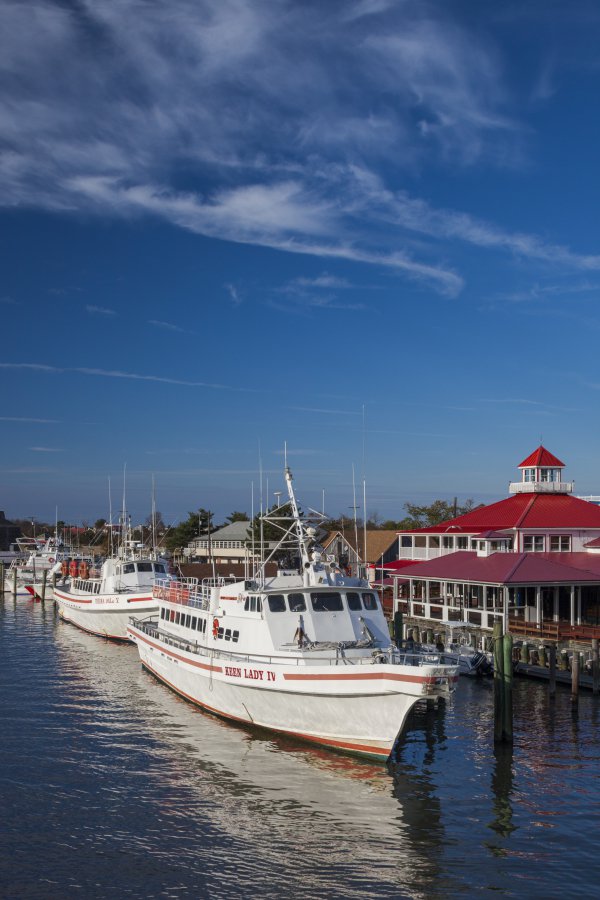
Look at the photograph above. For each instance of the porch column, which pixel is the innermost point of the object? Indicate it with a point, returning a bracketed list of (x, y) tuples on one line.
[(573, 609), (505, 610), (538, 605), (555, 603), (426, 599), (578, 595)]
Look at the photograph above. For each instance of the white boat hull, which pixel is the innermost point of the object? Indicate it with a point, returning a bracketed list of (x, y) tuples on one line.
[(358, 709), (106, 615)]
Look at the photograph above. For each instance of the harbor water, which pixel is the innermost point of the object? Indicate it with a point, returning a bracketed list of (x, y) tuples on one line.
[(112, 786)]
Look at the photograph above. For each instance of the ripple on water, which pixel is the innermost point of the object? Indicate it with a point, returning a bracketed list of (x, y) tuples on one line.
[(112, 784)]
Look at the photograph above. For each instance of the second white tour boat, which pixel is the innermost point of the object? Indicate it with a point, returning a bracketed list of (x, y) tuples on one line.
[(305, 653), (101, 601)]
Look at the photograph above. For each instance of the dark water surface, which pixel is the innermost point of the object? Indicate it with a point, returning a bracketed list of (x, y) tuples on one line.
[(111, 786)]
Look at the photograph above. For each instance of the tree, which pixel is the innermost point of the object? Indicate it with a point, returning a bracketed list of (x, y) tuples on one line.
[(437, 512), (237, 517), (188, 530), (156, 521), (99, 524)]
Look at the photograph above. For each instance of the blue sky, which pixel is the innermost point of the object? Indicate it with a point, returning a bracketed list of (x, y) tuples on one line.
[(367, 228)]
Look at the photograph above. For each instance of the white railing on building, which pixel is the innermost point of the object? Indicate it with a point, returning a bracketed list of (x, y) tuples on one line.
[(541, 487)]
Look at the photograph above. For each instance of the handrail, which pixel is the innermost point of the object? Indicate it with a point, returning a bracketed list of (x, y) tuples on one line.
[(191, 646)]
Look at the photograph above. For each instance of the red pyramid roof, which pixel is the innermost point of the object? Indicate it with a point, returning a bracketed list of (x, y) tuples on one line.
[(541, 457)]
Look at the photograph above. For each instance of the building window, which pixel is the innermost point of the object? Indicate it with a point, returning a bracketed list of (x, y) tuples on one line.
[(529, 475), (560, 543), (448, 543), (462, 543), (533, 543), (406, 540)]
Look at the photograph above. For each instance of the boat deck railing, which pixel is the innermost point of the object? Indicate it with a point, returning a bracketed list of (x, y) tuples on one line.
[(304, 656)]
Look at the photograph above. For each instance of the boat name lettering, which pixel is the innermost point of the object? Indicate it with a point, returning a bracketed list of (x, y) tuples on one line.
[(252, 674)]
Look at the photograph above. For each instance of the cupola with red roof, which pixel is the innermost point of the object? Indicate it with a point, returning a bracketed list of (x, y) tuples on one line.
[(541, 473)]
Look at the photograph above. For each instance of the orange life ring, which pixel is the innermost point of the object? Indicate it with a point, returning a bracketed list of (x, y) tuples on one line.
[(215, 627), (64, 567), (84, 570), (73, 568)]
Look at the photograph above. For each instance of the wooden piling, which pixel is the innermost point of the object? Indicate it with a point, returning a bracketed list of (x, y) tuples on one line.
[(595, 666), (498, 679), (552, 688), (2, 580), (44, 580), (575, 676), (398, 627), (14, 585), (507, 693), (542, 655)]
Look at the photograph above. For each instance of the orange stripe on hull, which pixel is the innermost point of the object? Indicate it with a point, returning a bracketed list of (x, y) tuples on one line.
[(366, 676)]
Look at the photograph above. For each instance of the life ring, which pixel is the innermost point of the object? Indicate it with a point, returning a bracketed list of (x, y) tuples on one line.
[(51, 560), (64, 567), (73, 568), (83, 570), (215, 628)]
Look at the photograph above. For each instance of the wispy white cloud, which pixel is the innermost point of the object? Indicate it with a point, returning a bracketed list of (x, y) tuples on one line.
[(168, 326), (8, 301), (234, 294), (100, 310), (290, 129), (30, 420), (333, 412), (115, 373), (46, 450)]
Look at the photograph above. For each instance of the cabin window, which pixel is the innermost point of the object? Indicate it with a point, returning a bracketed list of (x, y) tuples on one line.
[(235, 636), (162, 612), (188, 620), (228, 634), (533, 543), (172, 615), (128, 568), (220, 633), (353, 601), (252, 604), (370, 601), (144, 566), (297, 602), (177, 618), (326, 602), (560, 543), (277, 603), (158, 567)]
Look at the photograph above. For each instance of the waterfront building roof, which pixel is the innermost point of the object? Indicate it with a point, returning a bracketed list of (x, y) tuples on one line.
[(509, 568), (541, 457)]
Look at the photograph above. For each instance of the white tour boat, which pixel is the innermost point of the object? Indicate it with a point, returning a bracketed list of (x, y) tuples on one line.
[(37, 556), (305, 653), (101, 601)]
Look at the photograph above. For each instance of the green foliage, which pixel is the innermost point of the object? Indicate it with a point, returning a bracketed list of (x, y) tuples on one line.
[(191, 528), (237, 517), (437, 512), (272, 533)]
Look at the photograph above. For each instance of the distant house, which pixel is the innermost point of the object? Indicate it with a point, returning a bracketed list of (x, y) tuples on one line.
[(230, 544), (381, 548)]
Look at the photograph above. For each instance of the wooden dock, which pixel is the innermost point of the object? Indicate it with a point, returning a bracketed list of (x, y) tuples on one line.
[(562, 677)]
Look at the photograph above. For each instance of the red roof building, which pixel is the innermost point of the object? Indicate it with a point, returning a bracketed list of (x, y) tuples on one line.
[(532, 558)]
